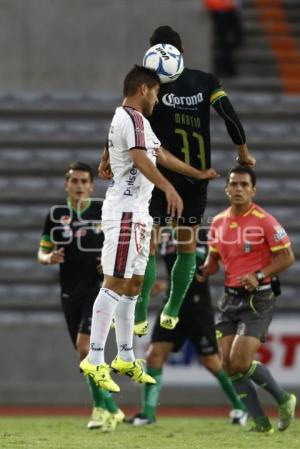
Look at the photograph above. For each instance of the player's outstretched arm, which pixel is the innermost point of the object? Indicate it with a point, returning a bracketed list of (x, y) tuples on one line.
[(168, 160), (235, 129), (243, 157), (148, 169), (56, 256)]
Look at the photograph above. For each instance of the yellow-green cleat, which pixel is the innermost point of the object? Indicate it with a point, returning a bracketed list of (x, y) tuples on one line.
[(286, 412), (141, 329), (113, 420), (98, 418), (134, 370), (168, 321), (100, 375), (262, 425)]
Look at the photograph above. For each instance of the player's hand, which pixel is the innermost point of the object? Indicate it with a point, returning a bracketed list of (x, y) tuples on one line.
[(202, 273), (249, 281), (104, 170), (210, 173), (57, 256), (99, 266), (175, 203), (248, 161)]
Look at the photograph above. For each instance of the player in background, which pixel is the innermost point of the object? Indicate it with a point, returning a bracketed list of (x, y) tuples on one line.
[(126, 223), (181, 121), (196, 323), (253, 247), (72, 238)]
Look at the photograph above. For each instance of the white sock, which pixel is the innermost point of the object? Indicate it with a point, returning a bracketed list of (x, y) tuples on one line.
[(124, 318), (103, 312)]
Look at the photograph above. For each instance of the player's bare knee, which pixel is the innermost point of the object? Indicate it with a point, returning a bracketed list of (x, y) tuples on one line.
[(226, 365), (212, 363), (155, 357), (239, 366)]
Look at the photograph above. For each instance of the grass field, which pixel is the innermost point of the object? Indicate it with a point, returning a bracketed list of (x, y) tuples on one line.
[(169, 433)]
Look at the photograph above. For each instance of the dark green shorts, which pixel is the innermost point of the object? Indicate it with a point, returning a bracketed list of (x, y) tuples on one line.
[(248, 315)]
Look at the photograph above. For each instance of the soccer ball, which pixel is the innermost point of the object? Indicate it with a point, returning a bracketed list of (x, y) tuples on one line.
[(166, 60)]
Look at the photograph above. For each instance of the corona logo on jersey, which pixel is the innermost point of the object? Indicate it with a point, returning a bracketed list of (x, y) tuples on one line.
[(173, 101)]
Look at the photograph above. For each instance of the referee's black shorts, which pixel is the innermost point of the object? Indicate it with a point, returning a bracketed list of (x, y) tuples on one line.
[(196, 323)]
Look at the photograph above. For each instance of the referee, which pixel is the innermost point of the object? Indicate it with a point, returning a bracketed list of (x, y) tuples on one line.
[(253, 247)]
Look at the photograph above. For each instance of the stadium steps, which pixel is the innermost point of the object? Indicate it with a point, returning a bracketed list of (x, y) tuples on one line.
[(40, 135), (269, 59)]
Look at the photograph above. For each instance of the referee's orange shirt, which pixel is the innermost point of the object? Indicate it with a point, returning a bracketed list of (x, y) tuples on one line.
[(245, 243)]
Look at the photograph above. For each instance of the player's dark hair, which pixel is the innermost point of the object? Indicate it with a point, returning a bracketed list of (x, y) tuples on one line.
[(136, 77), (242, 170), (80, 166), (166, 35)]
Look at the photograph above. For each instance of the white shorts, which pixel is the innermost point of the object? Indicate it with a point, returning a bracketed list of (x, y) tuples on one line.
[(126, 244)]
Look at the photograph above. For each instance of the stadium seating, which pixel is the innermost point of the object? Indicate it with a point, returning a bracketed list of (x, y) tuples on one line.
[(41, 134)]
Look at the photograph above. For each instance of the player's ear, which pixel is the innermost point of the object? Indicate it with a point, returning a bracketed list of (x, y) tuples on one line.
[(143, 89)]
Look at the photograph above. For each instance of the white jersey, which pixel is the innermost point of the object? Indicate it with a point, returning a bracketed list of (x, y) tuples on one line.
[(129, 190)]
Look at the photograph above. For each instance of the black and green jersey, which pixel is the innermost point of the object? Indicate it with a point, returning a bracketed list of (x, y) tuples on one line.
[(181, 120), (80, 234)]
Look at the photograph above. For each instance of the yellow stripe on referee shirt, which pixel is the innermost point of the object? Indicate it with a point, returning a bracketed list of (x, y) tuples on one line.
[(279, 247)]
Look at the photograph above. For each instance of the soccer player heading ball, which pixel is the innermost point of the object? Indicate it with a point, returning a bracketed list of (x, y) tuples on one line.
[(126, 223), (181, 120)]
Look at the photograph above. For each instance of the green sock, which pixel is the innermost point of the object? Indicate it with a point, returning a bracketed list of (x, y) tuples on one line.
[(229, 390), (97, 393), (182, 275), (110, 404), (150, 393), (141, 307)]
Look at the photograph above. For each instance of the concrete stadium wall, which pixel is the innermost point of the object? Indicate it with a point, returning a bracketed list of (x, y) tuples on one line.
[(88, 45)]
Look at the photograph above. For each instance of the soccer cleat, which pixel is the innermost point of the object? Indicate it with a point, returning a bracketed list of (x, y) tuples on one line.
[(98, 418), (167, 321), (286, 412), (262, 425), (132, 369), (113, 420), (141, 329), (100, 375), (262, 429), (238, 417), (139, 420)]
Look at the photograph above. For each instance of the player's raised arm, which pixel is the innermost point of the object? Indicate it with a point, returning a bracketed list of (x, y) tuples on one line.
[(148, 169), (225, 109), (166, 159)]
